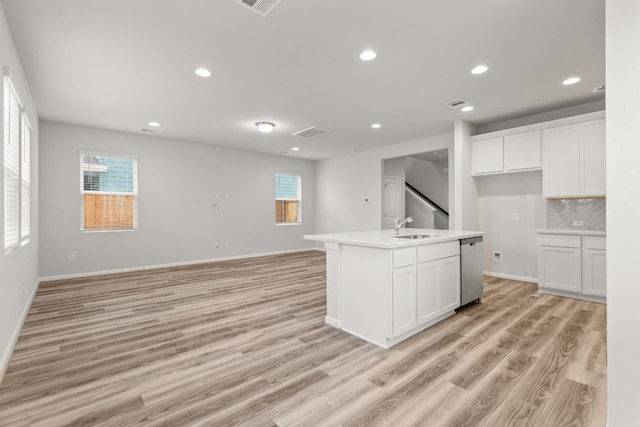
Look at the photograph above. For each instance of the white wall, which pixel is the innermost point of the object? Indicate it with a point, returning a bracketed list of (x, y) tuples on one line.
[(177, 221), (499, 198), (623, 210), (349, 188), (463, 214), (18, 269)]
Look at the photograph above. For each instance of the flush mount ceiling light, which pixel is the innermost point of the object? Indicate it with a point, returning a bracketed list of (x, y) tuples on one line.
[(367, 55), (265, 127), (467, 108), (295, 148), (154, 124), (571, 81), (203, 72), (376, 126), (479, 69)]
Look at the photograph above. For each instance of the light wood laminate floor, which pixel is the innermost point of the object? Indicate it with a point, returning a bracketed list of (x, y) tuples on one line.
[(244, 343)]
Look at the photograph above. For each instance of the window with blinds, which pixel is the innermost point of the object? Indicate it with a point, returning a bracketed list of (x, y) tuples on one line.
[(109, 192), (288, 198), (17, 169)]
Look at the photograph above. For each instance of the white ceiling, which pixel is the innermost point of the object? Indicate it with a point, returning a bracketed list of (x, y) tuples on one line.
[(118, 64)]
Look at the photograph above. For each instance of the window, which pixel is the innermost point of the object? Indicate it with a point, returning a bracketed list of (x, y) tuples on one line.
[(109, 190), (17, 169), (287, 199)]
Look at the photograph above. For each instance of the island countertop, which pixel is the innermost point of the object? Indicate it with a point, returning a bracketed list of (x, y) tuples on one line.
[(388, 239)]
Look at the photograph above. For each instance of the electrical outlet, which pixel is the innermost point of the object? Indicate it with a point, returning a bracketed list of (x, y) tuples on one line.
[(497, 256), (72, 258), (578, 222), (516, 216), (216, 245)]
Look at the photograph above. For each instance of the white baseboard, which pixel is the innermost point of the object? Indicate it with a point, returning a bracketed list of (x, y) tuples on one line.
[(8, 352), (511, 277), (174, 264)]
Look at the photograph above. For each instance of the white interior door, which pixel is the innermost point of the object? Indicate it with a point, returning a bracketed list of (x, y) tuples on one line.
[(392, 200)]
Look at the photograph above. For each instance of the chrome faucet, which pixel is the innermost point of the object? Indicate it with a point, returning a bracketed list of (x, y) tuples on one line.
[(397, 224)]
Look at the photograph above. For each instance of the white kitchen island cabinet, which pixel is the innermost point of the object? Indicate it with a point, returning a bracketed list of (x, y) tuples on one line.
[(384, 288)]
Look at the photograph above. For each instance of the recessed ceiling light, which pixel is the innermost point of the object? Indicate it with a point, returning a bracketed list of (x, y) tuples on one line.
[(479, 69), (571, 81), (467, 108), (265, 127), (203, 72), (154, 124), (295, 148), (376, 125), (367, 55)]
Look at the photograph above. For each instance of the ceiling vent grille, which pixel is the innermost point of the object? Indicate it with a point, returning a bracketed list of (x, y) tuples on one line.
[(457, 103), (262, 7), (311, 132), (149, 130)]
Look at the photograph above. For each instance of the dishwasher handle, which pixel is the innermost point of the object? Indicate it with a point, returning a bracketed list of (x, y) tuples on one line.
[(471, 240)]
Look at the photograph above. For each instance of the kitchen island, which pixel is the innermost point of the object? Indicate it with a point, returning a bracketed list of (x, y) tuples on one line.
[(385, 287)]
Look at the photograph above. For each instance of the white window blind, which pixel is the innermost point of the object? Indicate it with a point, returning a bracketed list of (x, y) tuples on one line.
[(25, 181), (12, 115), (109, 192)]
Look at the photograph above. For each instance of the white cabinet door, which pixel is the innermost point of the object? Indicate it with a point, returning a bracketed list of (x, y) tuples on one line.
[(487, 156), (560, 268), (593, 158), (594, 272), (522, 151), (427, 289), (594, 266), (438, 288), (403, 305), (561, 171), (449, 284)]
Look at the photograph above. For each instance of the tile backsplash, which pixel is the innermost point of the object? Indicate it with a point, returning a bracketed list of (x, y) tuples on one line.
[(562, 212)]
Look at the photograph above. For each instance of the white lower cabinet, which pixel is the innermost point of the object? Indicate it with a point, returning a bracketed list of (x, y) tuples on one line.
[(572, 265), (438, 284), (425, 285), (403, 300), (594, 266)]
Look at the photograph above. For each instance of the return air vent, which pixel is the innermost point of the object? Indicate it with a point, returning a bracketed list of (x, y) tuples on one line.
[(149, 130), (311, 132), (458, 103), (261, 7)]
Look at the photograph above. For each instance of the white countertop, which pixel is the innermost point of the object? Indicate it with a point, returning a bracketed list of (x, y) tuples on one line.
[(573, 232), (387, 239)]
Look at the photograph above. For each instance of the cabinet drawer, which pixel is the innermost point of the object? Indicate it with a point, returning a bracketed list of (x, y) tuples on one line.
[(438, 250), (594, 242), (559, 240), (402, 257)]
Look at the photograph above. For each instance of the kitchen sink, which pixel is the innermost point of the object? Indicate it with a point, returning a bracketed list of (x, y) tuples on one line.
[(414, 236)]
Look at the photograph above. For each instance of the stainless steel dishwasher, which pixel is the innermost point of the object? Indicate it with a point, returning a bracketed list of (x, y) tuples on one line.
[(471, 287)]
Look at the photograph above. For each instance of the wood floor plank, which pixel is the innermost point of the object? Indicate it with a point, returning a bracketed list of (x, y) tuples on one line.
[(243, 342)]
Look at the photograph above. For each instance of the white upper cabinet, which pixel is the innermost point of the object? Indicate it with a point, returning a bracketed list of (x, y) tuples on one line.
[(574, 160), (487, 156), (511, 153), (522, 151), (593, 157)]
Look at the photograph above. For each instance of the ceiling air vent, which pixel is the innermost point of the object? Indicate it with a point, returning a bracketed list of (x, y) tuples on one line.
[(457, 103), (311, 132), (262, 7), (149, 130)]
